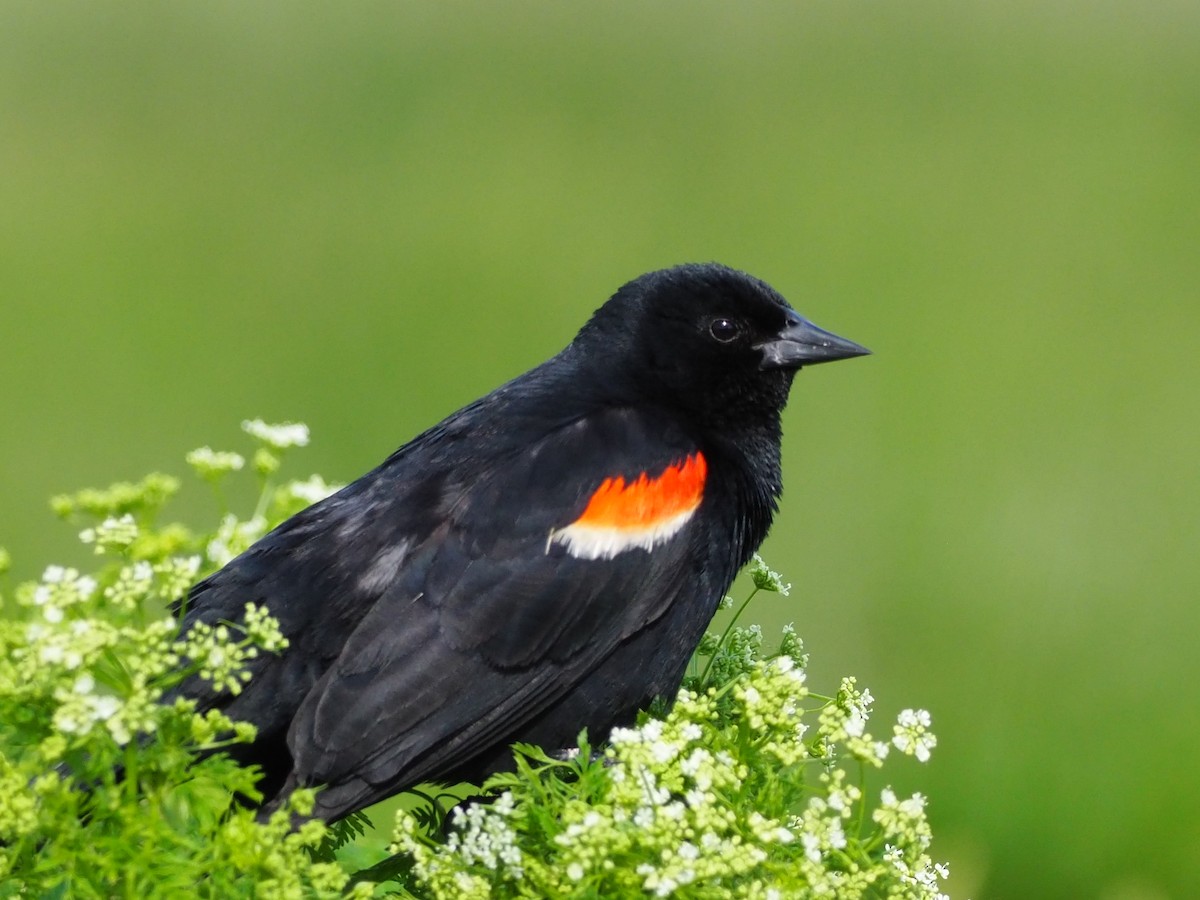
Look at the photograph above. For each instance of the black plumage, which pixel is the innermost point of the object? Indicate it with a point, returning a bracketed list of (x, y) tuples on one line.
[(473, 590)]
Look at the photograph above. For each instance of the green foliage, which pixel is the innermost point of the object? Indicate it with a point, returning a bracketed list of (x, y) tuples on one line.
[(750, 785), (108, 787)]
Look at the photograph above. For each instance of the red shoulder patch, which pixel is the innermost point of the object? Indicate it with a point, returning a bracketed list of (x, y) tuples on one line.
[(644, 512), (647, 501)]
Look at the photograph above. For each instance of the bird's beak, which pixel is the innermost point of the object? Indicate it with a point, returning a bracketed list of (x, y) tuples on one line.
[(801, 343)]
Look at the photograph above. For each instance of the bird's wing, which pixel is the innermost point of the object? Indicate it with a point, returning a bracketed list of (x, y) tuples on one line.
[(537, 571)]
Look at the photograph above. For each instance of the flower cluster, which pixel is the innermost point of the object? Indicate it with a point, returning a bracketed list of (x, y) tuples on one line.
[(59, 590), (113, 535), (213, 464), (907, 838), (843, 722), (733, 794), (273, 440), (912, 734), (174, 575), (133, 582), (483, 837), (63, 655), (767, 579), (106, 785), (221, 660), (278, 437)]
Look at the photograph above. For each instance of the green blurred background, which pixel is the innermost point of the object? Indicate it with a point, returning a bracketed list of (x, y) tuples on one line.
[(364, 215)]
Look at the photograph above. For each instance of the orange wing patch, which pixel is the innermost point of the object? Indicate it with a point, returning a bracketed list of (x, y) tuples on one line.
[(642, 513)]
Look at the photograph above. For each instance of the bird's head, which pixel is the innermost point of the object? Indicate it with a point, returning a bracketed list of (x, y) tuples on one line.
[(707, 338)]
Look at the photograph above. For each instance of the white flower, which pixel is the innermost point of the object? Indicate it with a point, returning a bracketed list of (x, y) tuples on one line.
[(837, 837), (663, 752), (692, 765), (858, 707), (912, 735), (812, 846), (280, 437), (104, 708), (50, 654), (210, 463)]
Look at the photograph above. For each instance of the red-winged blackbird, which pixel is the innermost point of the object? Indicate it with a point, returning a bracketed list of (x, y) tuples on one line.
[(543, 561)]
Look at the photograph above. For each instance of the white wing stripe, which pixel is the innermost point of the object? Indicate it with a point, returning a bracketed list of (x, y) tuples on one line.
[(604, 542)]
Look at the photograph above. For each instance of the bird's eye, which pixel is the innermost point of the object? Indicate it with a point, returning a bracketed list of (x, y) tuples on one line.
[(724, 330)]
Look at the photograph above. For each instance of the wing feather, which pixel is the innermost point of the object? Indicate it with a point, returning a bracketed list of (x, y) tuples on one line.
[(489, 625), (431, 619)]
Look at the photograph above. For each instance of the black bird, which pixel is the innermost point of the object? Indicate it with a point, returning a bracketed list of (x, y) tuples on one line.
[(544, 560)]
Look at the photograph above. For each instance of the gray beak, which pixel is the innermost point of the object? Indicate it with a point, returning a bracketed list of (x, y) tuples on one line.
[(801, 343)]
